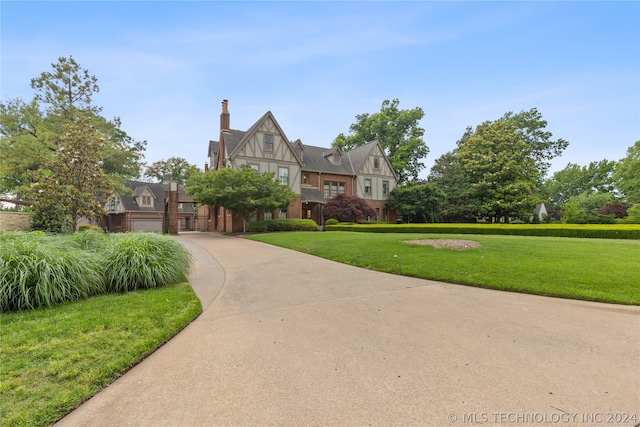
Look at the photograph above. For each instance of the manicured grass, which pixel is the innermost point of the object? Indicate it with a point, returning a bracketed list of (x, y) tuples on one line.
[(593, 231), (588, 269), (53, 359)]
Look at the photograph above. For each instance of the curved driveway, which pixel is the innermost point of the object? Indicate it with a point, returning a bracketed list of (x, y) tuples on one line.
[(291, 339)]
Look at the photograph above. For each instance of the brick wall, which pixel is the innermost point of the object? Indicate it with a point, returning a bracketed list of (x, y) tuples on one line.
[(15, 221)]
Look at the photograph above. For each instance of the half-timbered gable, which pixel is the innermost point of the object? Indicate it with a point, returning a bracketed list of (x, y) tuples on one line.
[(265, 148), (375, 175)]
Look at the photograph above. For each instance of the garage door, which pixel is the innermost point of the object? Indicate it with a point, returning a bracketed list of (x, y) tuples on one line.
[(152, 224)]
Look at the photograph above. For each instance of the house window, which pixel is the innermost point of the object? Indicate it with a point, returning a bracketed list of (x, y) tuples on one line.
[(385, 187), (111, 206), (146, 201), (268, 142), (336, 158), (283, 213), (254, 166), (367, 186), (305, 178), (332, 189), (376, 162), (268, 215), (283, 176)]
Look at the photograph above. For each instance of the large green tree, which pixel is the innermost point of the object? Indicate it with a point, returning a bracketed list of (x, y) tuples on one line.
[(497, 168), (398, 133), (30, 131), (449, 176), (243, 191), (627, 175), (416, 202), (175, 168), (502, 173), (574, 180), (540, 145), (72, 184)]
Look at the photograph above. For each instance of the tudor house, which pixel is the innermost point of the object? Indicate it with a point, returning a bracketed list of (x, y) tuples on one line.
[(315, 174)]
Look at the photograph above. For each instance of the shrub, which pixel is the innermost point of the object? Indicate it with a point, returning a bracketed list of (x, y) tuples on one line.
[(38, 270), (633, 214), (345, 207), (87, 227), (331, 221), (282, 225), (144, 260)]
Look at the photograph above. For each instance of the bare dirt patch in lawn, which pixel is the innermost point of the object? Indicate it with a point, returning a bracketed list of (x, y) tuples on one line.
[(457, 244)]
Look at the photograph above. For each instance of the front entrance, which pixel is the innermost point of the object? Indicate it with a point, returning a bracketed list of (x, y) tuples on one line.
[(311, 210)]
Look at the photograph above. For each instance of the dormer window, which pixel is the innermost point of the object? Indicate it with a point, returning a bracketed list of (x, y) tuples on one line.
[(336, 158), (145, 199)]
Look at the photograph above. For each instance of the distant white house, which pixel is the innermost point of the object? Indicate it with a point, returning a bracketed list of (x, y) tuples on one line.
[(540, 211)]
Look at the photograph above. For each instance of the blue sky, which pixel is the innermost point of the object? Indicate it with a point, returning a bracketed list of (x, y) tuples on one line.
[(164, 67)]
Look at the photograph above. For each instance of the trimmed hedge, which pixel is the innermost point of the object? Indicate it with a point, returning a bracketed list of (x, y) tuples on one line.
[(282, 225), (591, 231)]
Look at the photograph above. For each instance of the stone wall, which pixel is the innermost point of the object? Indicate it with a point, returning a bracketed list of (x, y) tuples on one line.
[(15, 221)]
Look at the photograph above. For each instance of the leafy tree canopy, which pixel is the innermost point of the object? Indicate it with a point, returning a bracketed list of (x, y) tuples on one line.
[(175, 168), (73, 183), (30, 131), (497, 168), (504, 177), (417, 202), (398, 133), (627, 175), (540, 145), (574, 180), (450, 177), (242, 191)]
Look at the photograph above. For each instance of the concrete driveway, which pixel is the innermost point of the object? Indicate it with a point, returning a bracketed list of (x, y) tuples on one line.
[(294, 340)]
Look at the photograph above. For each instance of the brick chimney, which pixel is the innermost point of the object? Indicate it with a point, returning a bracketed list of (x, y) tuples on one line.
[(224, 116)]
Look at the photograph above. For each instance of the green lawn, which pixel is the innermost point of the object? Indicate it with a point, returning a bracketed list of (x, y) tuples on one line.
[(53, 359), (588, 269)]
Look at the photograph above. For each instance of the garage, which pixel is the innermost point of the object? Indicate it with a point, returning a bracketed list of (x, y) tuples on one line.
[(147, 224)]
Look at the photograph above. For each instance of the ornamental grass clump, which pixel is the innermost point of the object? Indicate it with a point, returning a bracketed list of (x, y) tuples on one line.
[(39, 270), (89, 240), (144, 260)]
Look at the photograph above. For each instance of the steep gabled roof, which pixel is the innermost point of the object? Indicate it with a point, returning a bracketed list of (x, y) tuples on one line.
[(360, 154), (214, 146), (239, 138), (130, 204), (232, 140), (317, 159)]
